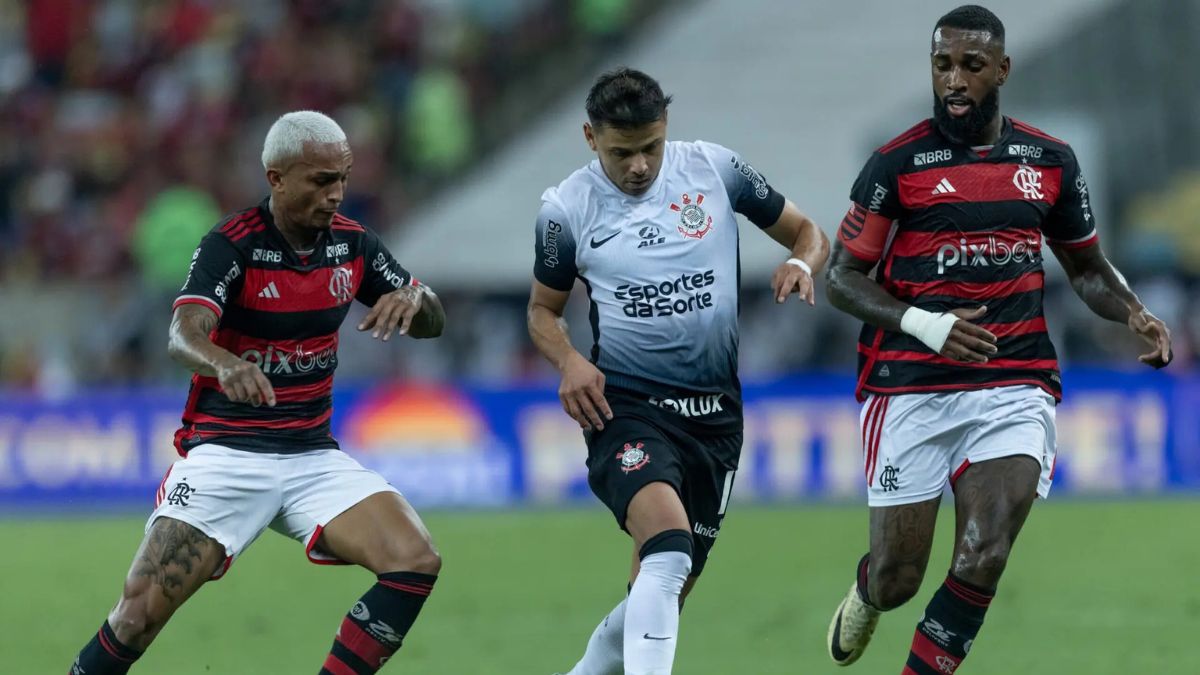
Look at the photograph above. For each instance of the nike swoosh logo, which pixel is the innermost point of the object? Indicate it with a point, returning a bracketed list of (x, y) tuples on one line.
[(648, 636), (598, 243)]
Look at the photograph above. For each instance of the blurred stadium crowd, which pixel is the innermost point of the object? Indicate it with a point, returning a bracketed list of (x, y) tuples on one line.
[(127, 127)]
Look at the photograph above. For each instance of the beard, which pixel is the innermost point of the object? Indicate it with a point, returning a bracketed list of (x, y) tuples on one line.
[(969, 127)]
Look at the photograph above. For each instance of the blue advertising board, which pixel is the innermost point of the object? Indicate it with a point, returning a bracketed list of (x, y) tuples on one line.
[(1120, 433)]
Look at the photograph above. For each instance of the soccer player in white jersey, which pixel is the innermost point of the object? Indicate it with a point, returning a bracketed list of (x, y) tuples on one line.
[(649, 227)]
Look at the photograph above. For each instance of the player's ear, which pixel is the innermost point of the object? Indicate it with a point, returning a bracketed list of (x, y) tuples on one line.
[(589, 134), (275, 178), (1005, 66)]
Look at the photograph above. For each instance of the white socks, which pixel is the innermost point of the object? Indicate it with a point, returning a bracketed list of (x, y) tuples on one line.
[(652, 613), (604, 654)]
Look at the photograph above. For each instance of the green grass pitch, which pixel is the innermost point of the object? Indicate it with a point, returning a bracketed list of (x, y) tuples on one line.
[(1094, 588)]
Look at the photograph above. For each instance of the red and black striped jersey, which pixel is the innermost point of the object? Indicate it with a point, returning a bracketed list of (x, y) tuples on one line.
[(280, 310), (953, 226)]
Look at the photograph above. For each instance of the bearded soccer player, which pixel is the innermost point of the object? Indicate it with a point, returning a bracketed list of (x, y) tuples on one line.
[(957, 374), (257, 321), (650, 228)]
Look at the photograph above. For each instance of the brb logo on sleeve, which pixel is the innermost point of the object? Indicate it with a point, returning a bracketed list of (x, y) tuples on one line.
[(680, 295)]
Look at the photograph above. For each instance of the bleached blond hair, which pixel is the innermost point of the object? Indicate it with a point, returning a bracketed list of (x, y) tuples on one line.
[(287, 136)]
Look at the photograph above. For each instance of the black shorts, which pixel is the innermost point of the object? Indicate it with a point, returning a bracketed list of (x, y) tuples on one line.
[(644, 444)]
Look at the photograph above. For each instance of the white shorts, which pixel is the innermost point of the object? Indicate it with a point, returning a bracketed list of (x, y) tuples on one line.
[(915, 443), (233, 495)]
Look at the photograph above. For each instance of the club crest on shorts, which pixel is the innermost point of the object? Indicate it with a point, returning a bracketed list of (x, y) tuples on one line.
[(633, 456), (694, 222)]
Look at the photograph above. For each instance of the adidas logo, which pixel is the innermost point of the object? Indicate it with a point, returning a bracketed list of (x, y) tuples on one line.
[(944, 187), (269, 291)]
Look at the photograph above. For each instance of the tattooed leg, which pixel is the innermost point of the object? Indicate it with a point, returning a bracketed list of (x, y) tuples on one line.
[(991, 500), (901, 538), (174, 560)]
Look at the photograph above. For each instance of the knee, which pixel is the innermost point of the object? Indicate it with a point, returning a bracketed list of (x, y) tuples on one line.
[(428, 561), (423, 559), (983, 562), (892, 585)]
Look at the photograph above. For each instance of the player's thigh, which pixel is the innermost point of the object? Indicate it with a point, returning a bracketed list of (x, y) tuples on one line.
[(1009, 422), (992, 499), (172, 562), (382, 533), (909, 442), (228, 495), (345, 513), (635, 470), (711, 466)]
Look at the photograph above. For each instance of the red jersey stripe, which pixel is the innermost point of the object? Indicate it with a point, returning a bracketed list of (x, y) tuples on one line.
[(920, 129), (238, 343), (930, 357), (301, 393), (979, 182), (960, 386), (1030, 281), (1015, 328), (297, 291), (273, 424), (1085, 242), (1034, 131), (196, 300)]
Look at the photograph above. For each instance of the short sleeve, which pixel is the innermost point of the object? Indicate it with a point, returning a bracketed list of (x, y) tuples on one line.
[(382, 274), (554, 249), (215, 275), (749, 192), (1070, 222), (873, 207), (875, 188)]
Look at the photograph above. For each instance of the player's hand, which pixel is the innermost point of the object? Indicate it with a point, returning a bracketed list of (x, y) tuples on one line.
[(393, 309), (790, 278), (967, 342), (244, 382), (1151, 329), (582, 393)]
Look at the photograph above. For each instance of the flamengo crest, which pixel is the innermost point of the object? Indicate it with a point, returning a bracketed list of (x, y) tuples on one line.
[(694, 223), (1029, 181)]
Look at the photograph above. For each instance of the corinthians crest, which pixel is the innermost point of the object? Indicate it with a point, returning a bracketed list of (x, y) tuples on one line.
[(694, 222), (633, 457)]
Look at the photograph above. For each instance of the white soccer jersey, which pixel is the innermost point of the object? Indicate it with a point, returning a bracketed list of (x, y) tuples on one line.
[(661, 268)]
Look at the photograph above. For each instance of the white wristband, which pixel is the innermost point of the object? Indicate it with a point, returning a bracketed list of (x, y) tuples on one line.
[(801, 264), (930, 328)]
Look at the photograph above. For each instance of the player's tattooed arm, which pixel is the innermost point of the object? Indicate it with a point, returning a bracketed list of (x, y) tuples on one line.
[(850, 289), (800, 235), (582, 388), (1106, 292), (189, 344), (415, 310)]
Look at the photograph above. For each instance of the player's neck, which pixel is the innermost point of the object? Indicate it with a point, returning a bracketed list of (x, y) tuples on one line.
[(299, 238), (990, 133)]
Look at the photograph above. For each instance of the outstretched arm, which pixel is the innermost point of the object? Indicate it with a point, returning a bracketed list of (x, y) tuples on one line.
[(1104, 290), (582, 388), (808, 245), (189, 344), (415, 310)]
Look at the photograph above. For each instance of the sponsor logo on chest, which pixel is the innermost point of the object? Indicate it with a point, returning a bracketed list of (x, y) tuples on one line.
[(932, 157)]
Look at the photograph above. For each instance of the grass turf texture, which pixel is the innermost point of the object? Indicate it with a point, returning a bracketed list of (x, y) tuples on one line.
[(1093, 588)]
